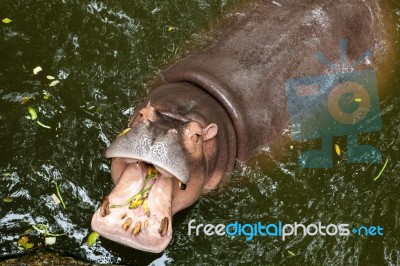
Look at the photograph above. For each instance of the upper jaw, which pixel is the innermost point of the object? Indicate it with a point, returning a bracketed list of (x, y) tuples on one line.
[(141, 143), (133, 227)]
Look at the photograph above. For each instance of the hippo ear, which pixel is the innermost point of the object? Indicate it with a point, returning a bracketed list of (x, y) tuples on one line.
[(210, 131)]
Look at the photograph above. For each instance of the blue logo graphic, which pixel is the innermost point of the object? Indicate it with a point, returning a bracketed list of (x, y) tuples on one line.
[(343, 102)]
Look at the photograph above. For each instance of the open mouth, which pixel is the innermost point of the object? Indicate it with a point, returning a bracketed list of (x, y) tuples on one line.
[(137, 212)]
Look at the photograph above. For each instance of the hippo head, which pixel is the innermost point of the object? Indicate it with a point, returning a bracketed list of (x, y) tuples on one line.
[(161, 164)]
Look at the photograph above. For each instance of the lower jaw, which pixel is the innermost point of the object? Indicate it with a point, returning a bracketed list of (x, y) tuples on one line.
[(135, 232), (150, 232)]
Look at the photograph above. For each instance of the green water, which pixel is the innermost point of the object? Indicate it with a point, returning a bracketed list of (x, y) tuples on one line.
[(104, 54)]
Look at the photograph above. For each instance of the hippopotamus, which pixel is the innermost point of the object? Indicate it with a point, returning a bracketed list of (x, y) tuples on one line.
[(215, 107)]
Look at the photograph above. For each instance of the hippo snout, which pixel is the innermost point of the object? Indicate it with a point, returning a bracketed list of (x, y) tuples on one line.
[(162, 148)]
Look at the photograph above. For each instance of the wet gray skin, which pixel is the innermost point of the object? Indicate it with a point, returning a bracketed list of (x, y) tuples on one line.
[(154, 145)]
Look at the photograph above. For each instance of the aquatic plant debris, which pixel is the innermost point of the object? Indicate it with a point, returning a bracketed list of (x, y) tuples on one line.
[(54, 83), (36, 70), (6, 20), (33, 116), (59, 197), (23, 243), (46, 95), (92, 238), (42, 229), (337, 149), (139, 198), (123, 132), (25, 99), (8, 200), (383, 169), (32, 113), (42, 125)]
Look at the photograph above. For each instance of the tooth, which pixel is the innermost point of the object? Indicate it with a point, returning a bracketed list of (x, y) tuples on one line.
[(136, 229), (123, 215), (127, 224), (146, 209), (163, 227), (182, 186), (105, 207), (146, 224)]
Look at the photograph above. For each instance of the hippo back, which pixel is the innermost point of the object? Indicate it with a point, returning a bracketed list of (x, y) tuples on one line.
[(246, 70)]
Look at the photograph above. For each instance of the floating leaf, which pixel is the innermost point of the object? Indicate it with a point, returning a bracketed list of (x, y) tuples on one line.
[(93, 236), (383, 168), (6, 20), (23, 240), (8, 199), (25, 99), (42, 125), (337, 149), (28, 245), (50, 77), (291, 253), (357, 100), (59, 196), (54, 83), (32, 113), (37, 70), (46, 95), (124, 132)]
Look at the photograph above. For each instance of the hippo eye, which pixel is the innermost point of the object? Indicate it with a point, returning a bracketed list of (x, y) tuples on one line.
[(197, 136)]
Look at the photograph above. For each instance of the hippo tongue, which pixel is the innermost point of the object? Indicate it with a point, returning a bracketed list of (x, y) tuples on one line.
[(132, 227)]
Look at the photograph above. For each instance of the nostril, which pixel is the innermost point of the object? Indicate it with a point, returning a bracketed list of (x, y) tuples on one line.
[(182, 186)]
